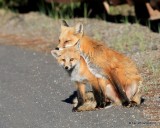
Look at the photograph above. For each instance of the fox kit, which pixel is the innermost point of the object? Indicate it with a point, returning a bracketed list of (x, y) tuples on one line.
[(76, 66), (103, 62)]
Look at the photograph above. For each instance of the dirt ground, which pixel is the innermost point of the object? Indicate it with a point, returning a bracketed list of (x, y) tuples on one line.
[(40, 33)]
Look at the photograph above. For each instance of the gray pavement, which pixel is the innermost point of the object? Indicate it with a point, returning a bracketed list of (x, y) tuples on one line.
[(32, 89)]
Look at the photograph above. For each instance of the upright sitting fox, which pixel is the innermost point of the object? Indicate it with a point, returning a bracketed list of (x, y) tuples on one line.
[(104, 63)]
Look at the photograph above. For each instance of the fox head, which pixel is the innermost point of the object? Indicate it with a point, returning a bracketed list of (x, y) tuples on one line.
[(69, 36), (68, 58)]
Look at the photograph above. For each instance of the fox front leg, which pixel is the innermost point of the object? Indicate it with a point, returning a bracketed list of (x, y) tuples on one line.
[(80, 95)]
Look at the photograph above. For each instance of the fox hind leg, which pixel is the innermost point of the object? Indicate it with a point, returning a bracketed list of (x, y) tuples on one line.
[(112, 94), (133, 94)]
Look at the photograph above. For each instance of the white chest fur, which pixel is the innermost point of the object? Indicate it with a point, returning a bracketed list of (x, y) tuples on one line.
[(75, 74)]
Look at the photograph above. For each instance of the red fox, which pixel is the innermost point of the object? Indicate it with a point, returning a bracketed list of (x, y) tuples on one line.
[(103, 62), (76, 66)]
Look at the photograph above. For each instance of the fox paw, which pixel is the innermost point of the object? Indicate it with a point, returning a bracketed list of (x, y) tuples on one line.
[(132, 104), (103, 105), (74, 109)]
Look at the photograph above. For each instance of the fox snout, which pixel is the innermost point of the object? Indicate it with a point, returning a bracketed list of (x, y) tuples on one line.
[(56, 48), (66, 67)]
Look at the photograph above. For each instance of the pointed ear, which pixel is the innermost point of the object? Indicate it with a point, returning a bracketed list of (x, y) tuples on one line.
[(77, 46), (56, 53), (64, 23), (79, 29)]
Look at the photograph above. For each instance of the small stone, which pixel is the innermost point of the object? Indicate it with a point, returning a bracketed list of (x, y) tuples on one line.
[(154, 47)]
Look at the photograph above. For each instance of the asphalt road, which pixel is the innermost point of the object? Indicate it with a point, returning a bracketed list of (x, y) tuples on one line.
[(32, 89)]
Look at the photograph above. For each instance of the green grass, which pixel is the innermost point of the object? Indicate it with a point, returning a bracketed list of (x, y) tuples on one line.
[(125, 20), (129, 40), (153, 67), (145, 89), (60, 10), (11, 3), (122, 9), (1, 3)]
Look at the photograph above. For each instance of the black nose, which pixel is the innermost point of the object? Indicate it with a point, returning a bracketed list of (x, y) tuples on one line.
[(57, 48), (66, 67)]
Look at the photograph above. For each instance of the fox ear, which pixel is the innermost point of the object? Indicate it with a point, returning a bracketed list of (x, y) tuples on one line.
[(56, 53), (64, 23), (79, 28)]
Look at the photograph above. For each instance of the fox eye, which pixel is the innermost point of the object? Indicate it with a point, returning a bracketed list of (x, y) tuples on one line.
[(66, 41), (63, 60), (71, 59)]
